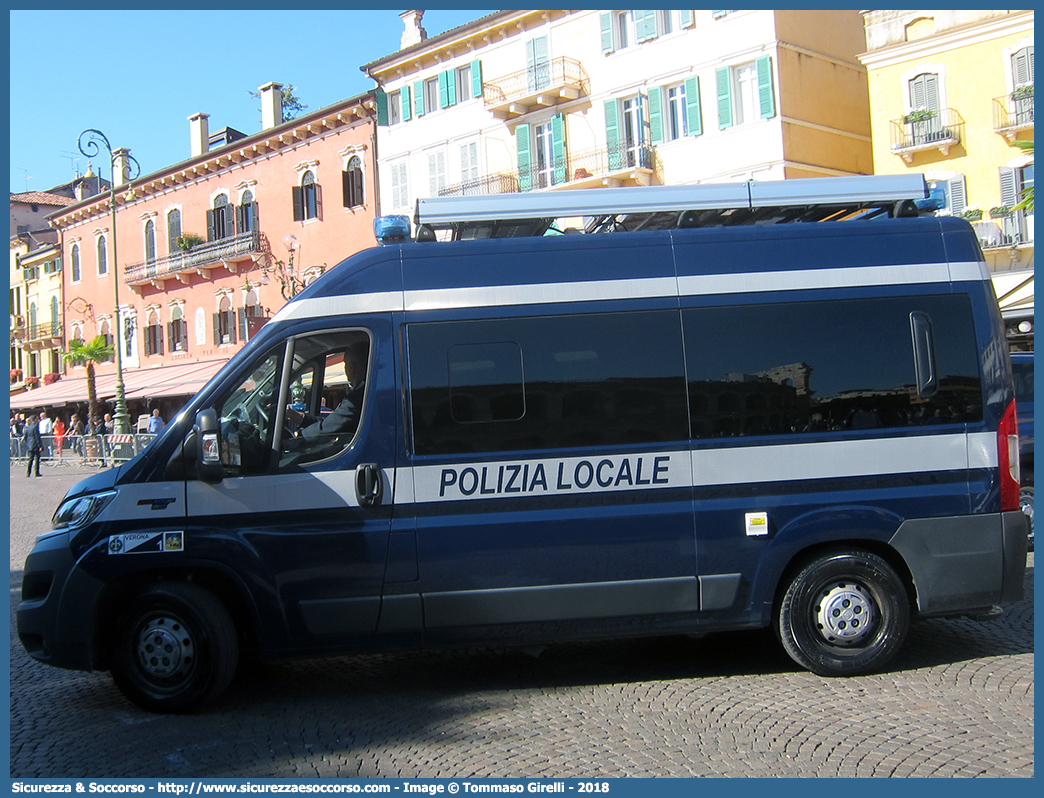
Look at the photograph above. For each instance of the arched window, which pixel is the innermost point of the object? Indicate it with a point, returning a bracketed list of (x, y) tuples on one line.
[(32, 318), (177, 330), (225, 322), (173, 229), (352, 183), (56, 322), (306, 198), (220, 221), (153, 334), (246, 213), (75, 258), (150, 241), (105, 331), (103, 262)]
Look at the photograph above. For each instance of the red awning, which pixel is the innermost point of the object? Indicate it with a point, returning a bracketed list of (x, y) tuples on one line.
[(183, 379)]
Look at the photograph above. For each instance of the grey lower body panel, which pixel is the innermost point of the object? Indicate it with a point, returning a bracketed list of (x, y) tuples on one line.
[(964, 563)]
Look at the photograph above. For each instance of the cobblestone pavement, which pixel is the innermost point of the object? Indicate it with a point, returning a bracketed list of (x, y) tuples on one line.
[(959, 702)]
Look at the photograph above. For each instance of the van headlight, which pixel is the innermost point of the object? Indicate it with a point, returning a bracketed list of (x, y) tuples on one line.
[(74, 513)]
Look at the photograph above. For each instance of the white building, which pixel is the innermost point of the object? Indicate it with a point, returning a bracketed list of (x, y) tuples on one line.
[(527, 100)]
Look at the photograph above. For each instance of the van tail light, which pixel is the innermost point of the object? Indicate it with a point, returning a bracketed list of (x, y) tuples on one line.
[(1008, 452)]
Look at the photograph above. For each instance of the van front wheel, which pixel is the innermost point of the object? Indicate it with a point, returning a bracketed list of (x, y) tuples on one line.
[(844, 614), (176, 648)]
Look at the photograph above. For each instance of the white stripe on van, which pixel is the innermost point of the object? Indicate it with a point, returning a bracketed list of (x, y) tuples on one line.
[(700, 468), (641, 288), (805, 279)]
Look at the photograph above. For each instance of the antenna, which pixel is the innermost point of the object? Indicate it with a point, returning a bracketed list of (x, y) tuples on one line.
[(26, 176), (74, 162)]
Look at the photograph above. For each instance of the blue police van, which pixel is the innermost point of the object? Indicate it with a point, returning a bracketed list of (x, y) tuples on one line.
[(570, 415)]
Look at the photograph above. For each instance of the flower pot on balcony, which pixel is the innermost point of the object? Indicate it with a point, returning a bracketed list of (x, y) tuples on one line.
[(32, 382), (187, 241), (972, 215), (1000, 212), (51, 378)]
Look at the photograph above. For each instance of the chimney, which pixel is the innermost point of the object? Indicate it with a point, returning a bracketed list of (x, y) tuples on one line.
[(414, 33), (120, 166), (199, 133), (271, 105), (80, 189)]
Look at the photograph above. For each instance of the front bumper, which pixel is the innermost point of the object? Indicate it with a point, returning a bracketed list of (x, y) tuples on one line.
[(56, 616)]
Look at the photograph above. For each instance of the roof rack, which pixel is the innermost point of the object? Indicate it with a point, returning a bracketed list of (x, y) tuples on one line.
[(665, 207)]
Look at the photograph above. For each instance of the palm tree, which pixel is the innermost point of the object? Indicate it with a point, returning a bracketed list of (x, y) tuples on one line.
[(81, 354)]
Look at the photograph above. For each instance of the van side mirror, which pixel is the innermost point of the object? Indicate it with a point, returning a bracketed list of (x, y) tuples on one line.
[(208, 432)]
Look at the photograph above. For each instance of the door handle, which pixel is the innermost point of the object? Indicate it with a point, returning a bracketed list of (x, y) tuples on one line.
[(369, 486)]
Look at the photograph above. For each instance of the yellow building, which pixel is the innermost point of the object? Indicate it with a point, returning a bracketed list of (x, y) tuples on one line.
[(950, 91)]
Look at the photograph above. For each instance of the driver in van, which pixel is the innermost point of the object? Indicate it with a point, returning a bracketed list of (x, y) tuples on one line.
[(345, 417)]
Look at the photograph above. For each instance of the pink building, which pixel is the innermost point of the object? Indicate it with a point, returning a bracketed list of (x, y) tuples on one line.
[(210, 248)]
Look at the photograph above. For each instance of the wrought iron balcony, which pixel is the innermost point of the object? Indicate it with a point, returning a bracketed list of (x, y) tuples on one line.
[(201, 259), (615, 166), (1013, 230), (929, 130), (43, 336), (1013, 113), (541, 86)]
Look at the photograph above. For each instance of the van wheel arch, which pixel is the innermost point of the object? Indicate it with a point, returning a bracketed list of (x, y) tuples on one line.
[(231, 595)]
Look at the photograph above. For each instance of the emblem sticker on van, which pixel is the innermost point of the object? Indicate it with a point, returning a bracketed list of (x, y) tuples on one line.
[(146, 542)]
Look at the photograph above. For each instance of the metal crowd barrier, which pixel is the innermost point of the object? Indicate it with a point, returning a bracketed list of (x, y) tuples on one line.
[(100, 450)]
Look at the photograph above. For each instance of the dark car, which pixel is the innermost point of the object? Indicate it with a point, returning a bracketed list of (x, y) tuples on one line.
[(1022, 367)]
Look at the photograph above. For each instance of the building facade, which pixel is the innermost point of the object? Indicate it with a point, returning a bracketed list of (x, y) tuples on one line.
[(531, 100), (209, 248), (950, 93)]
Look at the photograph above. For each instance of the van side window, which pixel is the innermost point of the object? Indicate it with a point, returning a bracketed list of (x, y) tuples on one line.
[(546, 383), (813, 367), (298, 407)]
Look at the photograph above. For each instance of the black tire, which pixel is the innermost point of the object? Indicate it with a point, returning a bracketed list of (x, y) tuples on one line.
[(176, 648), (844, 614)]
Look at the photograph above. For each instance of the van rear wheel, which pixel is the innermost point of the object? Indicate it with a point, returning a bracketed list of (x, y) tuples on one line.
[(176, 648), (844, 614)]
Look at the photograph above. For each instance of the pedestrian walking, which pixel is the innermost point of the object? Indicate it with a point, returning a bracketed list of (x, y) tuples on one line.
[(33, 445)]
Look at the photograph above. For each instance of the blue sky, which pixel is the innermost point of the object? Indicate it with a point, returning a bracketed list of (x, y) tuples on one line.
[(138, 75)]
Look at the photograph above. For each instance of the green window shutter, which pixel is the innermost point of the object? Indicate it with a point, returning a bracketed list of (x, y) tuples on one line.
[(558, 148), (476, 78), (407, 106), (766, 95), (381, 99), (447, 89), (525, 175), (656, 115), (688, 19), (693, 111), (644, 25), (612, 134), (1008, 188), (606, 21), (418, 97), (723, 80)]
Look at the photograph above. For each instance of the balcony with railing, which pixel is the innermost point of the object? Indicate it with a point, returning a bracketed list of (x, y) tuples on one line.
[(43, 336), (926, 130), (608, 166), (1013, 113), (541, 86), (226, 253), (1013, 230)]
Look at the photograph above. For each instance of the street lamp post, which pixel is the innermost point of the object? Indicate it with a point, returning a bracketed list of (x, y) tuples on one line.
[(90, 143)]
